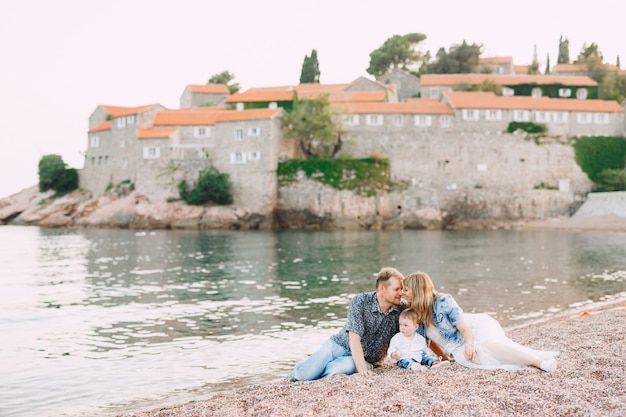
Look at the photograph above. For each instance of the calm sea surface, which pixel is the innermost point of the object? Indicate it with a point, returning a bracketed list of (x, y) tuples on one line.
[(102, 322)]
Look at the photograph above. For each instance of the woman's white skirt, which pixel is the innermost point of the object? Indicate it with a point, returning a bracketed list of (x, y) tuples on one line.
[(495, 349)]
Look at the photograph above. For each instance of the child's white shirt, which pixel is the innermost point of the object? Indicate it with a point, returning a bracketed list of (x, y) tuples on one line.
[(412, 348)]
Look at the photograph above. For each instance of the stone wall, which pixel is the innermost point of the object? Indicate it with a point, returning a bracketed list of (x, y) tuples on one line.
[(462, 180)]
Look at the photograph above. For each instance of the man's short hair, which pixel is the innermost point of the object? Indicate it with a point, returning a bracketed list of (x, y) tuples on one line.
[(386, 274)]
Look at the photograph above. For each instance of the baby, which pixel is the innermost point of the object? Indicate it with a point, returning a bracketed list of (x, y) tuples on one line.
[(408, 348)]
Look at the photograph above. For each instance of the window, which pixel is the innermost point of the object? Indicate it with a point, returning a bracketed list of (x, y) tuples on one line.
[(423, 120), (239, 106), (492, 115), (434, 93), (536, 92), (601, 118), (581, 93), (351, 119), (521, 115), (153, 152), (565, 92), (374, 120), (560, 116), (583, 118), (238, 134), (238, 158), (94, 141), (397, 120), (254, 156), (273, 105), (201, 132), (469, 114), (444, 121), (508, 91), (121, 122), (130, 120), (254, 131), (542, 116)]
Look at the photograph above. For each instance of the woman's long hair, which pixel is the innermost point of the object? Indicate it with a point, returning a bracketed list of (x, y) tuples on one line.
[(424, 294)]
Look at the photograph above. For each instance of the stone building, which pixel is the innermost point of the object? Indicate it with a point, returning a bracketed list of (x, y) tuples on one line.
[(196, 95), (456, 140)]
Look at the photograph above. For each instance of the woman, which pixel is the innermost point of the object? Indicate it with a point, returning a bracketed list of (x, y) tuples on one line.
[(473, 340)]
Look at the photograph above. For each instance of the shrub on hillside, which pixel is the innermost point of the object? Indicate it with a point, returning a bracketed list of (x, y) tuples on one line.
[(594, 154), (528, 127), (54, 175), (212, 186), (611, 180)]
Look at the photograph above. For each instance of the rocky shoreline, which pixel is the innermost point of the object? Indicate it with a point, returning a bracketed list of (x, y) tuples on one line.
[(123, 207), (589, 381)]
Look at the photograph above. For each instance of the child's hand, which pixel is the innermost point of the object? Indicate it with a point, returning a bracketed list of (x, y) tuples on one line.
[(395, 355)]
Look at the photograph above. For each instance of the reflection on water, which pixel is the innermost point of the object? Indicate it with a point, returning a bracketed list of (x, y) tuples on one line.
[(177, 315)]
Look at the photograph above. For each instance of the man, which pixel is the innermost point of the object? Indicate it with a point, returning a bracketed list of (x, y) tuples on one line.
[(372, 322)]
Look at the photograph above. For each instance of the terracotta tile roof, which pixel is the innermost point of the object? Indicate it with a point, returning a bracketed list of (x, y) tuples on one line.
[(209, 88), (185, 118), (147, 133), (581, 68), (117, 111), (101, 127), (521, 69), (201, 109), (336, 93), (412, 106), (568, 68), (317, 87), (496, 60), (263, 94), (428, 80), (488, 100), (347, 96), (196, 117), (254, 114)]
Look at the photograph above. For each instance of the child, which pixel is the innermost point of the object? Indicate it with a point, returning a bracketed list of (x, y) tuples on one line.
[(408, 348)]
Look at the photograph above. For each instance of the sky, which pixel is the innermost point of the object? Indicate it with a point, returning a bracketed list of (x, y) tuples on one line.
[(60, 59)]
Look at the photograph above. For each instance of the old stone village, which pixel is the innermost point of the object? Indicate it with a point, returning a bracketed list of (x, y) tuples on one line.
[(450, 147)]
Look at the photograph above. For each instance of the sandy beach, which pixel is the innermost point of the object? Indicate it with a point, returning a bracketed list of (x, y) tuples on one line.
[(589, 381)]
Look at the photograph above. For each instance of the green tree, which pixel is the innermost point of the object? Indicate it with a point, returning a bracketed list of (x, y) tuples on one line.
[(51, 168), (316, 127), (225, 77), (547, 70), (54, 175), (310, 69), (212, 186), (398, 52), (563, 51), (591, 57), (461, 59), (613, 87), (534, 67)]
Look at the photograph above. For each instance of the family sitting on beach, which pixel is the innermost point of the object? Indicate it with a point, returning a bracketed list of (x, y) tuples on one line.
[(379, 323)]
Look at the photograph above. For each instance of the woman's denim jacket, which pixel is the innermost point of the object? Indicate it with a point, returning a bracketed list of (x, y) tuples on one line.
[(447, 314)]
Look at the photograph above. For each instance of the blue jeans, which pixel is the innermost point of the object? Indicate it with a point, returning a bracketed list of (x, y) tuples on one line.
[(330, 359), (426, 360)]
